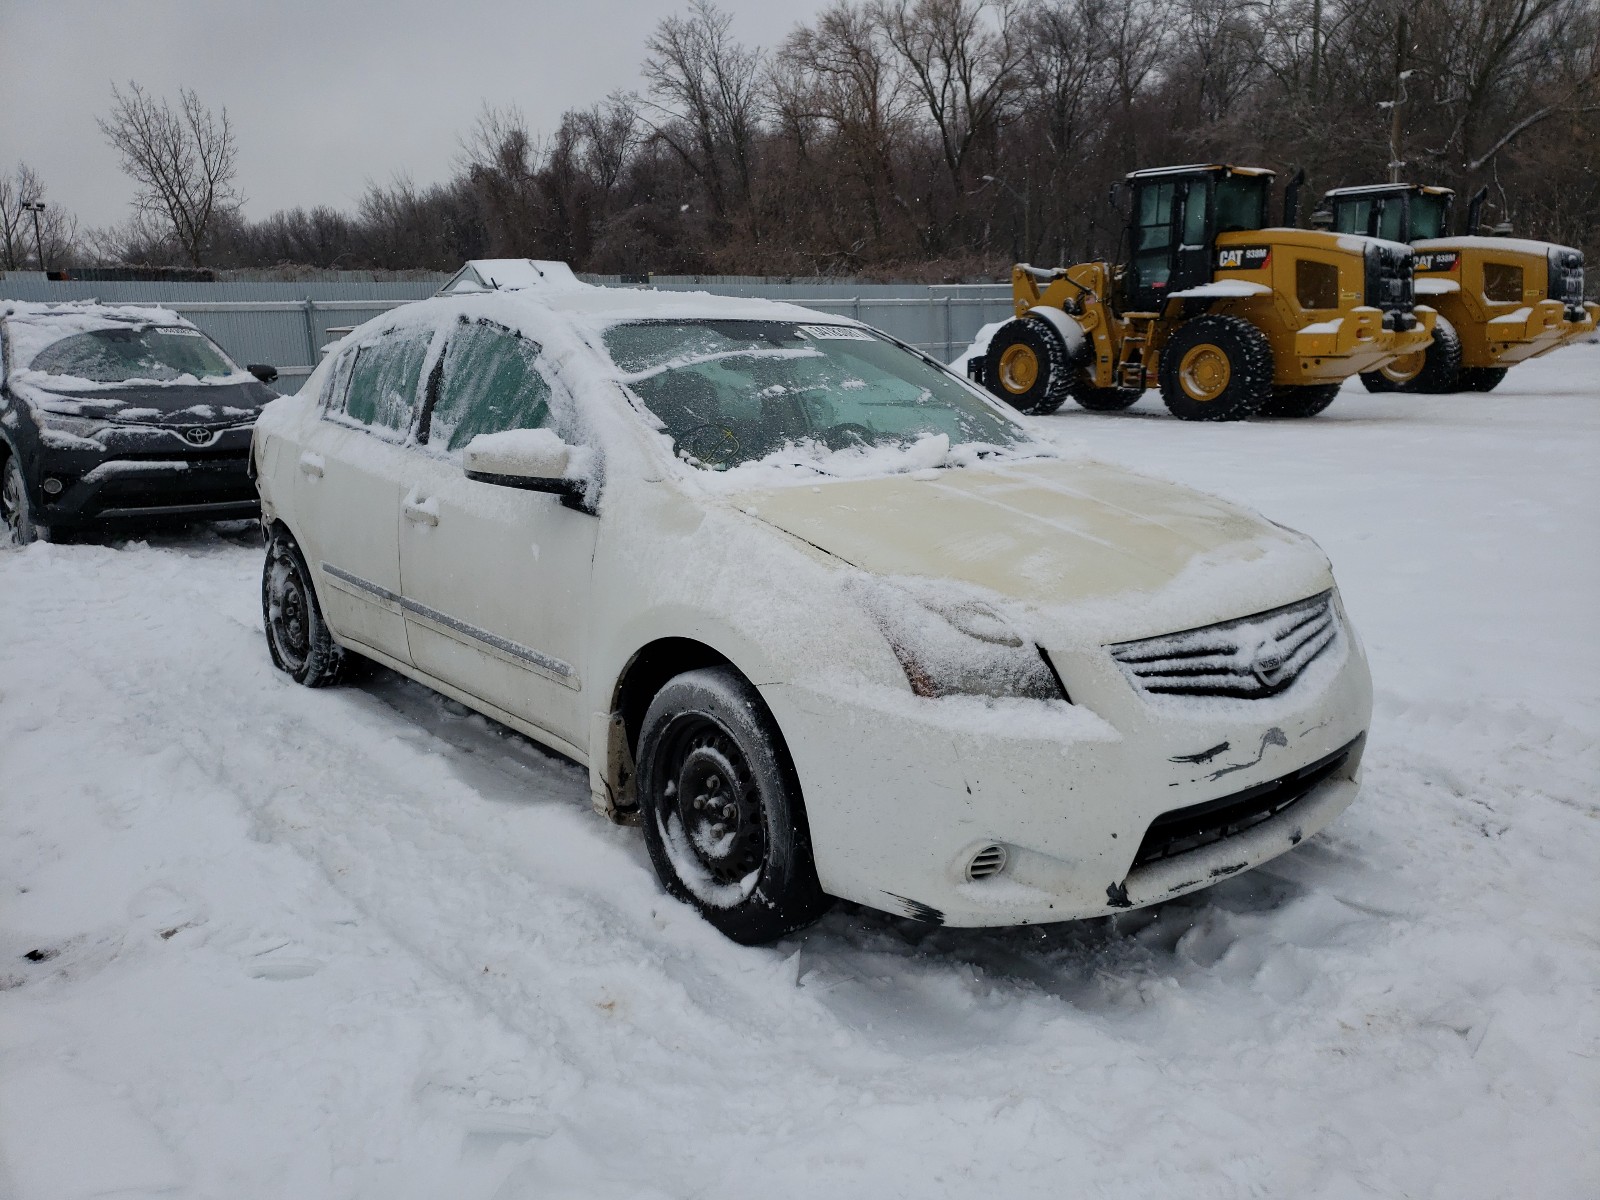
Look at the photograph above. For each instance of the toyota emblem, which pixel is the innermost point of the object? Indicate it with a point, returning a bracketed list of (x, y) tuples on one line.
[(197, 435)]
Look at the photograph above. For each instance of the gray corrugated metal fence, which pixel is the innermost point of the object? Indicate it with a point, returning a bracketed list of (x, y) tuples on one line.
[(286, 324)]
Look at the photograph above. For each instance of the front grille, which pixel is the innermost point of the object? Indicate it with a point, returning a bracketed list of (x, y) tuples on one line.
[(1185, 829), (1246, 658), (991, 860)]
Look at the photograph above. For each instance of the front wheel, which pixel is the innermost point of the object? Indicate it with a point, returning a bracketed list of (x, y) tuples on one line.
[(15, 509), (298, 637), (721, 808), (1216, 368), (1433, 370), (1300, 401), (1480, 379), (1030, 366)]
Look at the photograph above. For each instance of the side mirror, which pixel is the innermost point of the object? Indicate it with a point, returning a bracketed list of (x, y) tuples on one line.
[(534, 460), (263, 372)]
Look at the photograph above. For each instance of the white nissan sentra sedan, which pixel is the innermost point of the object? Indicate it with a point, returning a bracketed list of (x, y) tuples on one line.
[(823, 618)]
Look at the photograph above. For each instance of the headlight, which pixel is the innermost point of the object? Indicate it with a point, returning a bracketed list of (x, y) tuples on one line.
[(959, 646), (79, 427)]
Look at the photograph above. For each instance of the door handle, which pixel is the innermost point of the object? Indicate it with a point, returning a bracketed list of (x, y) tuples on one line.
[(422, 512), (311, 464)]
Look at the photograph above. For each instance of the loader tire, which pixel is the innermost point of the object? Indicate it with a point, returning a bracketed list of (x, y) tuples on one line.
[(1480, 379), (1431, 371), (1300, 401), (1030, 366), (1107, 399), (1216, 368)]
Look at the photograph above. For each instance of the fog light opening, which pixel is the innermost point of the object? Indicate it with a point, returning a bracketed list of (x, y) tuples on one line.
[(52, 487), (989, 861)]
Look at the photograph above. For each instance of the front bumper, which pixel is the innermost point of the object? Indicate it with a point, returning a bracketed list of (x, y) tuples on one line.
[(1534, 330), (1361, 340), (899, 804), (78, 487)]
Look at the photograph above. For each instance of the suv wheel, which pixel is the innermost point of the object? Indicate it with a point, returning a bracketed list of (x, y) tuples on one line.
[(297, 635), (721, 808), (15, 509)]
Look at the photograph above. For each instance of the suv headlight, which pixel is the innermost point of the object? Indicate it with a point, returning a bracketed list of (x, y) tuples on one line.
[(959, 646), (79, 427)]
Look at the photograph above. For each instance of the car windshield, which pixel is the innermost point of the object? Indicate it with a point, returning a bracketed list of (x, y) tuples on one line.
[(735, 392), (117, 355)]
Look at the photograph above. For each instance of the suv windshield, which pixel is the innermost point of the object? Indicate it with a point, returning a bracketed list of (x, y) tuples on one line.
[(734, 392), (161, 353)]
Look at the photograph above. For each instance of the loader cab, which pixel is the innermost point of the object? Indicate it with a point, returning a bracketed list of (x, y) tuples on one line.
[(1399, 212), (1175, 216)]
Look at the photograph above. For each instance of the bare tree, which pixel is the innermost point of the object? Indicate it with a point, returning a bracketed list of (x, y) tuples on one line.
[(20, 246), (183, 160), (709, 88)]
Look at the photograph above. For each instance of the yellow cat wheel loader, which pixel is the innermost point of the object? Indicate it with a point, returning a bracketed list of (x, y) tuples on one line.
[(1501, 300), (1229, 319)]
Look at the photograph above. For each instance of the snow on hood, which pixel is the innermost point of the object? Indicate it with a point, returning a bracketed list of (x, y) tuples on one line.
[(1128, 555)]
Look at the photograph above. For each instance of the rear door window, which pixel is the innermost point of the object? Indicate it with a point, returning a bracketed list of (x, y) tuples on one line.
[(1502, 282), (383, 382), (489, 381)]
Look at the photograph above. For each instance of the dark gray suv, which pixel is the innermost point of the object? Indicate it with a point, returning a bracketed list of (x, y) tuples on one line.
[(110, 414)]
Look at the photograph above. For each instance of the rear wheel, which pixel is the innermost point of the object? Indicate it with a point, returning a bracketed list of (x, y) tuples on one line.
[(1216, 368), (297, 635), (1480, 379), (721, 808), (1433, 370), (1300, 401), (1030, 366)]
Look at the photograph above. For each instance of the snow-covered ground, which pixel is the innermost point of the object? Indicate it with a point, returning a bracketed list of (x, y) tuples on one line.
[(257, 941)]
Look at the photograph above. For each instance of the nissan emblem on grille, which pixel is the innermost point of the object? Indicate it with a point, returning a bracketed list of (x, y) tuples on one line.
[(1248, 658)]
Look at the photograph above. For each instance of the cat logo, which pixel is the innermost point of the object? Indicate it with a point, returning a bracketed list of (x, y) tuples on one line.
[(1243, 258), (1438, 260)]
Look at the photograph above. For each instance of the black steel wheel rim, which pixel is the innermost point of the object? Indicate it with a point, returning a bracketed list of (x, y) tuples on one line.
[(11, 497), (712, 793), (291, 626)]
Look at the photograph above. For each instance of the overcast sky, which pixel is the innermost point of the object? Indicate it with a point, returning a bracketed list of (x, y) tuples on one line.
[(325, 95)]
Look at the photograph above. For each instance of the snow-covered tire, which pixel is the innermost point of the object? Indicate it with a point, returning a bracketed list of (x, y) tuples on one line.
[(1294, 402), (1480, 379), (1030, 366), (17, 524), (1434, 370), (1108, 399), (1216, 368), (297, 634), (721, 808)]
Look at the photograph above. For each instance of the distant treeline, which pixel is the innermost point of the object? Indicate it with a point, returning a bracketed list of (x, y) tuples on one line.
[(943, 139)]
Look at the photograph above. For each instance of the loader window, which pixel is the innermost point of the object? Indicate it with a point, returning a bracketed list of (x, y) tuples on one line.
[(1428, 216), (1502, 282), (1152, 236), (1316, 284), (1242, 202)]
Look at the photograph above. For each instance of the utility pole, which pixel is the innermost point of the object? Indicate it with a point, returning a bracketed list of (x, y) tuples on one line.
[(36, 207), (1396, 130)]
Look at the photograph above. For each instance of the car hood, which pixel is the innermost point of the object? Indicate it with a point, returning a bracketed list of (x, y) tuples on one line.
[(1129, 555), (178, 405)]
